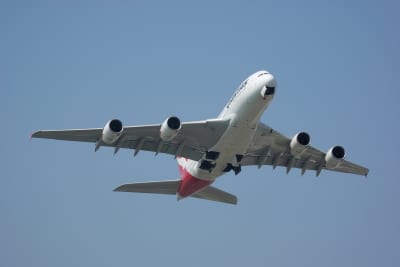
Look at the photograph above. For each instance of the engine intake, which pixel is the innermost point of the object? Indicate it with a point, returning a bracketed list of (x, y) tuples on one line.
[(334, 157), (299, 143), (170, 128), (112, 131)]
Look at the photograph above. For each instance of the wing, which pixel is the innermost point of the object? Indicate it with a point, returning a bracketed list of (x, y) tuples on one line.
[(193, 140), (270, 147)]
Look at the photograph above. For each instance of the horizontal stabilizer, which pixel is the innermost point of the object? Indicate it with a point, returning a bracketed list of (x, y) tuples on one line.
[(171, 187), (160, 187), (215, 194)]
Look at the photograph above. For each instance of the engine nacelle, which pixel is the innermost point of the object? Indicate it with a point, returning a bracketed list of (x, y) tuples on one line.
[(334, 157), (170, 128), (299, 143), (112, 131)]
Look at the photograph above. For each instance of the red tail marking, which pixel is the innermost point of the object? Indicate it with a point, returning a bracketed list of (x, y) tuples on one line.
[(190, 184)]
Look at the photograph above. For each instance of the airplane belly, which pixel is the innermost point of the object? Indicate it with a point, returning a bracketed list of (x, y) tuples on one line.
[(234, 142)]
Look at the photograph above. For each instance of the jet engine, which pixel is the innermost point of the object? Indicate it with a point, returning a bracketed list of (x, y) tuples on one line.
[(170, 128), (112, 131), (334, 157), (299, 143)]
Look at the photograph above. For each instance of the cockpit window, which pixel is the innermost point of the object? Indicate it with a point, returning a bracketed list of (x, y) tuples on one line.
[(243, 84), (261, 74)]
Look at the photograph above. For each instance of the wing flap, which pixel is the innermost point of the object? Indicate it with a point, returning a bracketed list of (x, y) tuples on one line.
[(303, 163)]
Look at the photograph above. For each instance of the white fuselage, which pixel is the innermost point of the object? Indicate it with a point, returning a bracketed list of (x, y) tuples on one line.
[(243, 111)]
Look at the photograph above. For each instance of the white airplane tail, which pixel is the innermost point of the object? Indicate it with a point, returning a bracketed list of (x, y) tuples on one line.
[(171, 187)]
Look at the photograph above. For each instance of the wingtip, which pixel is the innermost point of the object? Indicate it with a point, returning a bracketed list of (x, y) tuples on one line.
[(32, 135), (366, 173), (118, 189), (235, 201)]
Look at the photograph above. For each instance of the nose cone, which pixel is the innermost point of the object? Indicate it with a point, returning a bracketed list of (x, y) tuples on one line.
[(270, 82)]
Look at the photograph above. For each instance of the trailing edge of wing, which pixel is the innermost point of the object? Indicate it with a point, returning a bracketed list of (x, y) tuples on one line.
[(161, 187)]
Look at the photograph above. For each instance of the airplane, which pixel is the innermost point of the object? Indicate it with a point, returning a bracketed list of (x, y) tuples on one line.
[(208, 149)]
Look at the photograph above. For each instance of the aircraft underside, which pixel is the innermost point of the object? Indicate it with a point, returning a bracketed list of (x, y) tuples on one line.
[(210, 148)]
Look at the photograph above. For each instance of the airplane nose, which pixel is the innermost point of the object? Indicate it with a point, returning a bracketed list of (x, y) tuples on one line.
[(268, 89), (271, 81)]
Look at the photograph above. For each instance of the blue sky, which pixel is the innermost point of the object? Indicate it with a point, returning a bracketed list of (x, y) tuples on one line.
[(78, 64)]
